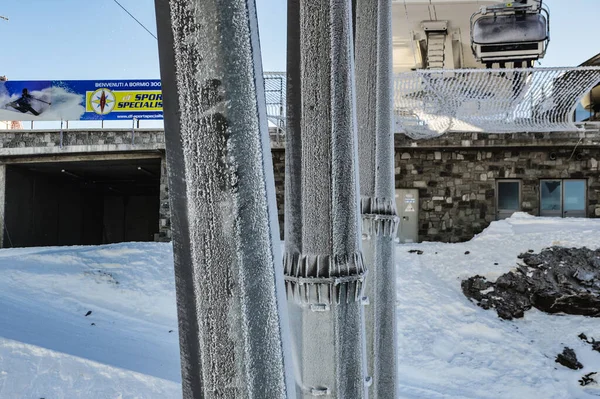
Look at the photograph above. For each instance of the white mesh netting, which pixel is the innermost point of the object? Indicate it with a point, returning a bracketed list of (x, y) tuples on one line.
[(429, 103), (275, 95)]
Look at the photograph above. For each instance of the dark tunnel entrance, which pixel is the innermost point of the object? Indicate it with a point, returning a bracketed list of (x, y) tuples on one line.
[(82, 202)]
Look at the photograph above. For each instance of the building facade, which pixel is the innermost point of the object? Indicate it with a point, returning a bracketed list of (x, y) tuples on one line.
[(98, 186), (466, 181)]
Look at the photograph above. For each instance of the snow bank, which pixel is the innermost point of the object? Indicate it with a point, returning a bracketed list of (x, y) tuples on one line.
[(450, 348), (126, 348)]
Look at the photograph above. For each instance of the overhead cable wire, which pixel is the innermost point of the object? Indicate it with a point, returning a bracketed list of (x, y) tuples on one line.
[(136, 20)]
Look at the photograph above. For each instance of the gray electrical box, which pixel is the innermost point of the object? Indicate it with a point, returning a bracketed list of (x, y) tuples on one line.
[(407, 204)]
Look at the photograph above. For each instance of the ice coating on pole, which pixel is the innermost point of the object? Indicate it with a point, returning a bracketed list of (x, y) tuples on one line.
[(324, 276), (375, 98), (376, 149), (384, 182), (293, 134), (232, 317), (366, 72)]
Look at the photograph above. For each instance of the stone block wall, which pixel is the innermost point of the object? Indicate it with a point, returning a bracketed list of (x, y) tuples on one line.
[(279, 173), (456, 176), (164, 211), (33, 142)]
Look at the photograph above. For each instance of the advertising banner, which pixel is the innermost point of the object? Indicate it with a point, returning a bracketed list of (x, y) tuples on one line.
[(74, 100)]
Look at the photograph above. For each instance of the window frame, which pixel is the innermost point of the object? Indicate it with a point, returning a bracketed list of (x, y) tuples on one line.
[(497, 192)]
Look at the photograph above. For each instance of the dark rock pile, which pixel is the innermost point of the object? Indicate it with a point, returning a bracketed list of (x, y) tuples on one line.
[(557, 280), (595, 344), (568, 359), (588, 379)]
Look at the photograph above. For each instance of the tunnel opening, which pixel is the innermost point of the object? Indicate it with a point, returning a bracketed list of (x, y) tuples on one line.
[(81, 202)]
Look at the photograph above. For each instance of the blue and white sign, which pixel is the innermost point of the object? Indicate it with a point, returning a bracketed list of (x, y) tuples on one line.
[(73, 100)]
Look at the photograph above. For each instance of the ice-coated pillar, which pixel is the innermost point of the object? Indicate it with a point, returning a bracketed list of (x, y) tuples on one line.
[(229, 279), (373, 48), (323, 264), (2, 203), (293, 135)]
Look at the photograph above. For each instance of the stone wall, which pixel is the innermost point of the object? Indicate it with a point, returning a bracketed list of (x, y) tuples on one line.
[(164, 212), (279, 173), (32, 142), (456, 175)]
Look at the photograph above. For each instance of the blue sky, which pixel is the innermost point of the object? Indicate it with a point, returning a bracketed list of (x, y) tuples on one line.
[(83, 39)]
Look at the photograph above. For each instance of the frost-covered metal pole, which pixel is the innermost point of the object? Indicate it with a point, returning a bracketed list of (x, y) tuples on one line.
[(376, 149), (230, 288), (325, 273), (293, 135)]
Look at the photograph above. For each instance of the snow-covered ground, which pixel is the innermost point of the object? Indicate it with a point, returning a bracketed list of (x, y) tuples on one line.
[(448, 347), (50, 349)]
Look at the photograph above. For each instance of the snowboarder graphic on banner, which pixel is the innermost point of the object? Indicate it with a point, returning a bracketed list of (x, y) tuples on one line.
[(23, 104)]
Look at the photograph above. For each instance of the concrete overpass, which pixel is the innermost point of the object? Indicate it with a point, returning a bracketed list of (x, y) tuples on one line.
[(92, 186), (82, 187)]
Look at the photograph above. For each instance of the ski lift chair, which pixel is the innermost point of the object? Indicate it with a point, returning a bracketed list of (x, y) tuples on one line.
[(509, 32)]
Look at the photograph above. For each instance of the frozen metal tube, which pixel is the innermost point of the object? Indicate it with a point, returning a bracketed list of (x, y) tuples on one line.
[(376, 164), (323, 265), (229, 278)]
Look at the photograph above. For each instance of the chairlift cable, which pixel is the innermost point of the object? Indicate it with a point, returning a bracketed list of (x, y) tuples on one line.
[(135, 19)]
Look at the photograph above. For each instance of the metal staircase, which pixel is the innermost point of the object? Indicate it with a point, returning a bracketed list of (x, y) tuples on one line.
[(436, 47)]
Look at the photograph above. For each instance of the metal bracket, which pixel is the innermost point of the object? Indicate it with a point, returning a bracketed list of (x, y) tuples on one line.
[(320, 307), (324, 279), (435, 26), (320, 391), (133, 132), (61, 134)]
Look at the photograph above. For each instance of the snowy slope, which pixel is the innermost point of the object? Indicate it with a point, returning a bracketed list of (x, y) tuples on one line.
[(448, 347), (50, 349)]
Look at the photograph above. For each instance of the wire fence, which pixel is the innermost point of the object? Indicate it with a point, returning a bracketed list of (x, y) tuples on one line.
[(429, 103), (275, 95)]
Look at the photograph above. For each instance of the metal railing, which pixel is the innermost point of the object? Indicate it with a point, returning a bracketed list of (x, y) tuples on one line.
[(275, 96)]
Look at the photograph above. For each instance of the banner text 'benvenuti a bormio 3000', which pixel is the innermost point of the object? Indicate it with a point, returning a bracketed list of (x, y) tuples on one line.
[(73, 100)]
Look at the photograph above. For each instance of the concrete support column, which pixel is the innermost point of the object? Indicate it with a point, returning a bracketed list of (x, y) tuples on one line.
[(2, 203)]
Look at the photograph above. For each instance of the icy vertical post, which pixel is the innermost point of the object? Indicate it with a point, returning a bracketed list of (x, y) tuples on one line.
[(380, 221), (2, 203), (325, 274), (230, 288), (293, 136)]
